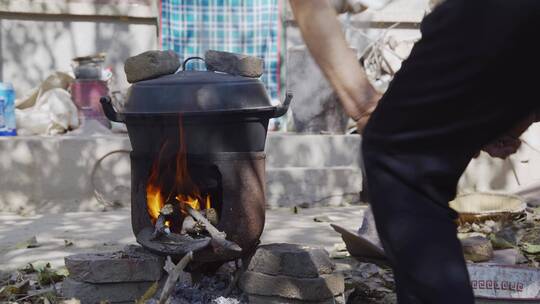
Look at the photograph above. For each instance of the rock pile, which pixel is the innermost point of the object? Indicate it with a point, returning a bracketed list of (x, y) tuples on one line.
[(112, 277), (290, 273)]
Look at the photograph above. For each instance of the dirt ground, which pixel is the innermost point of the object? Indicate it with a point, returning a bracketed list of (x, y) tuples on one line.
[(59, 235)]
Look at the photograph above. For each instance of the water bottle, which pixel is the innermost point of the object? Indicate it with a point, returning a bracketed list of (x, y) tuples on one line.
[(7, 110)]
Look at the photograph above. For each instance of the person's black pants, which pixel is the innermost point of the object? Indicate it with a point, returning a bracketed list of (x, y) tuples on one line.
[(471, 77)]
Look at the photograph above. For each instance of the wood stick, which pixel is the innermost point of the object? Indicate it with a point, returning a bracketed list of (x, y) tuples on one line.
[(165, 213), (218, 237), (174, 274)]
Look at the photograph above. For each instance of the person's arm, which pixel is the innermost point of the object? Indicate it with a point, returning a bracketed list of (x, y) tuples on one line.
[(325, 40)]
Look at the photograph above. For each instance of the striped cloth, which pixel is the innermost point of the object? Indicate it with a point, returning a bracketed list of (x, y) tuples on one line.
[(252, 27)]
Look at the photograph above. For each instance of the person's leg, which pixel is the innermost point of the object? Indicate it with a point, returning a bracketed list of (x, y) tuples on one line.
[(460, 88)]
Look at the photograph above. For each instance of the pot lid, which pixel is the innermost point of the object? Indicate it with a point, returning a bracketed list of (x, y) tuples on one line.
[(196, 92)]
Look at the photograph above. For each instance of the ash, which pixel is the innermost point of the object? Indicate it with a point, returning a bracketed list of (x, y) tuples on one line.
[(208, 290)]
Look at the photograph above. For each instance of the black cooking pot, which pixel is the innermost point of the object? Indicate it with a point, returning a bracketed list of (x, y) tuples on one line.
[(218, 112)]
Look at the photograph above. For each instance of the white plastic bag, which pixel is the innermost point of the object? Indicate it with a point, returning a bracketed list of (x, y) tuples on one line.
[(53, 113)]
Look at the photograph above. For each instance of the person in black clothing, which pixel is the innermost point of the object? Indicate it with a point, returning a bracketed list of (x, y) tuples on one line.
[(469, 84)]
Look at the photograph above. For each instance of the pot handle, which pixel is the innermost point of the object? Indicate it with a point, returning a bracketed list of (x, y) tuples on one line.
[(110, 112), (184, 64), (284, 106)]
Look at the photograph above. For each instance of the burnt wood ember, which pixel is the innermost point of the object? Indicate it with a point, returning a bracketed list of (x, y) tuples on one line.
[(168, 213), (191, 226), (218, 237), (212, 216)]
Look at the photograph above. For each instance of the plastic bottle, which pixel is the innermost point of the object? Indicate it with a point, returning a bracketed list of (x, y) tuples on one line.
[(7, 110)]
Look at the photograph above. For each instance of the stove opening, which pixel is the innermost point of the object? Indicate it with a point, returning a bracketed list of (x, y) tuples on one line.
[(182, 196)]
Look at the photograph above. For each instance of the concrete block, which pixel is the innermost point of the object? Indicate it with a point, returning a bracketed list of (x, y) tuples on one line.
[(53, 174), (89, 293), (311, 289), (151, 64), (315, 107), (256, 299), (134, 264), (313, 186), (235, 64), (284, 150), (291, 260)]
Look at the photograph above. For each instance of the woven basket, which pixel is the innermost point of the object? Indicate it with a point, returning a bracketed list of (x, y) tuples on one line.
[(479, 207)]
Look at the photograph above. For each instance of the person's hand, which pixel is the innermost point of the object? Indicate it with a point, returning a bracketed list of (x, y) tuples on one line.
[(362, 121), (502, 147), (509, 142)]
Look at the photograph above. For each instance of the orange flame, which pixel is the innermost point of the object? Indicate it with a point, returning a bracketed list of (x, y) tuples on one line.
[(184, 191)]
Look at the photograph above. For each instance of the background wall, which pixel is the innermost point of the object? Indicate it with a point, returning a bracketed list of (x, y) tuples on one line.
[(38, 37)]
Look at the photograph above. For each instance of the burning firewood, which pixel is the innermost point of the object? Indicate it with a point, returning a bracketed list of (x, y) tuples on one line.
[(168, 213), (218, 237), (174, 274), (191, 226), (212, 216)]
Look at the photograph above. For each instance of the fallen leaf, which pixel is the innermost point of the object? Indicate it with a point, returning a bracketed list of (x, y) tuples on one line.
[(322, 219), (499, 243), (49, 276), (30, 243), (37, 266), (150, 292), (9, 291), (531, 248)]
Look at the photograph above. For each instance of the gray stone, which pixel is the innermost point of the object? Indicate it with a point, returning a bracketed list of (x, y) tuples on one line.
[(133, 264), (507, 237), (89, 293), (510, 256), (256, 299), (291, 260), (316, 107), (477, 249), (311, 289), (151, 64), (235, 64)]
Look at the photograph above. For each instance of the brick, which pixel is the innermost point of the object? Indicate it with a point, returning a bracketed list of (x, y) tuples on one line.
[(291, 260), (133, 264), (307, 289)]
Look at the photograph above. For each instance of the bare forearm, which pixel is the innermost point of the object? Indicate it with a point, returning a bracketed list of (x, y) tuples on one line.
[(325, 40)]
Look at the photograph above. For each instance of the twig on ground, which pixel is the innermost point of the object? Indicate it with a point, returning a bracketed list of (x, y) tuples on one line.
[(174, 274)]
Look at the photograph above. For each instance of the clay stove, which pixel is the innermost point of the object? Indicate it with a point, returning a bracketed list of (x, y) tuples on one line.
[(198, 150)]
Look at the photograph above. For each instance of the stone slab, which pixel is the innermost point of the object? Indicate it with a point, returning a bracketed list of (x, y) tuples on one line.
[(291, 260), (312, 289), (234, 64), (89, 293), (256, 299), (133, 264), (151, 64)]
